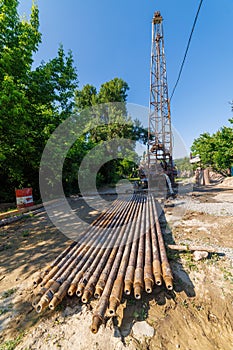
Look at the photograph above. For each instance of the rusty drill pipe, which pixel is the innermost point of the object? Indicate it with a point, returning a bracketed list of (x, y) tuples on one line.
[(54, 284), (86, 238), (166, 270), (105, 254), (59, 295), (56, 287), (91, 264), (129, 275), (54, 263), (117, 290), (118, 213), (61, 286), (100, 259), (104, 298), (108, 220), (103, 301), (112, 210), (45, 300), (78, 274), (81, 249), (90, 286), (76, 265), (115, 297), (58, 279), (64, 254), (148, 274), (69, 275), (36, 300), (56, 272), (156, 265), (105, 272), (118, 233), (99, 313), (40, 293), (138, 283), (66, 261)]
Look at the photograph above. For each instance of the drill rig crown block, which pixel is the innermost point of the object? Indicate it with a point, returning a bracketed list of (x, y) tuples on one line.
[(157, 18)]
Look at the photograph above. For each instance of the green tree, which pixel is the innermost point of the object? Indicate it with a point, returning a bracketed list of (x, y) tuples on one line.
[(205, 146), (216, 150), (32, 102), (113, 121), (183, 164), (223, 155), (19, 39), (85, 98)]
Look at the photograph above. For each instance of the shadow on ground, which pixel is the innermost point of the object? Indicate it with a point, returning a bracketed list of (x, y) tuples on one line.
[(34, 242), (161, 299)]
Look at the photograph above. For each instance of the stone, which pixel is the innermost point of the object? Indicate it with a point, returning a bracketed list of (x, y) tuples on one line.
[(200, 255), (142, 329)]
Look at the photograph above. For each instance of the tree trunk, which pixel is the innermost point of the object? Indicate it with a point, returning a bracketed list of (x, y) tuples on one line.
[(206, 177)]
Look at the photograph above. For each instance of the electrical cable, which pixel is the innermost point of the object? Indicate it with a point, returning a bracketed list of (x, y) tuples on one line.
[(187, 48)]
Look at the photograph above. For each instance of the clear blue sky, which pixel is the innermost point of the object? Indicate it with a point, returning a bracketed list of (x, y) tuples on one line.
[(113, 39)]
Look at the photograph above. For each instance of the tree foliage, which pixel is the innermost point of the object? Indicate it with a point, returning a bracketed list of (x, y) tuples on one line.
[(216, 150), (32, 102), (110, 120), (183, 164)]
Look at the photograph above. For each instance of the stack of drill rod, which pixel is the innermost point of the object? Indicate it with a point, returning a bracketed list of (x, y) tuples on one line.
[(122, 251)]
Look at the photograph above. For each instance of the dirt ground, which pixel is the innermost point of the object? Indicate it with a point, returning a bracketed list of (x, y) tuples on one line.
[(197, 314)]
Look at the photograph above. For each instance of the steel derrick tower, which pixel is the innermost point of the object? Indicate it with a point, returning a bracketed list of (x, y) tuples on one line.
[(159, 126)]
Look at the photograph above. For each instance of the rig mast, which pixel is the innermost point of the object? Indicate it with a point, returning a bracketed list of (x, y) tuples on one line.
[(159, 131)]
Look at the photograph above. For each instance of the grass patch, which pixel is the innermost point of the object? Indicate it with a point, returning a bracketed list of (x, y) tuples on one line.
[(131, 301), (213, 258), (8, 293), (173, 255), (25, 233), (3, 311), (227, 275), (189, 262), (11, 344), (6, 246)]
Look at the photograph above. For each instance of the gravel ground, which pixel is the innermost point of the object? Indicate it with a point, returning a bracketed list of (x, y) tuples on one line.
[(217, 209)]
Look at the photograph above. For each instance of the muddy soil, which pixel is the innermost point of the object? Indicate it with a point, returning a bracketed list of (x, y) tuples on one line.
[(197, 314)]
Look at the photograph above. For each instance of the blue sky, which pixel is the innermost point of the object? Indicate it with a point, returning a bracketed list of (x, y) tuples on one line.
[(113, 39)]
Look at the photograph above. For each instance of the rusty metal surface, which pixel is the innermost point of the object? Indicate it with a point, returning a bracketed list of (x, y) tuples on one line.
[(128, 255)]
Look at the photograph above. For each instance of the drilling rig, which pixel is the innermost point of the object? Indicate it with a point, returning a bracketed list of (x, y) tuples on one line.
[(159, 153)]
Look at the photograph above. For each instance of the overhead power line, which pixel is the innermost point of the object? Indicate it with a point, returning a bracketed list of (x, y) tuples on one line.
[(187, 48)]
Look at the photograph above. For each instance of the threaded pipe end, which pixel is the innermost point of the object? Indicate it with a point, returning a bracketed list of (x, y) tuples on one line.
[(72, 290), (86, 296), (148, 286), (128, 287), (54, 302), (113, 304), (168, 282), (137, 292), (96, 322), (98, 292)]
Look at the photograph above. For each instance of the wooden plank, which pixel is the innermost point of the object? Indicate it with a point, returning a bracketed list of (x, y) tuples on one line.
[(191, 248)]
